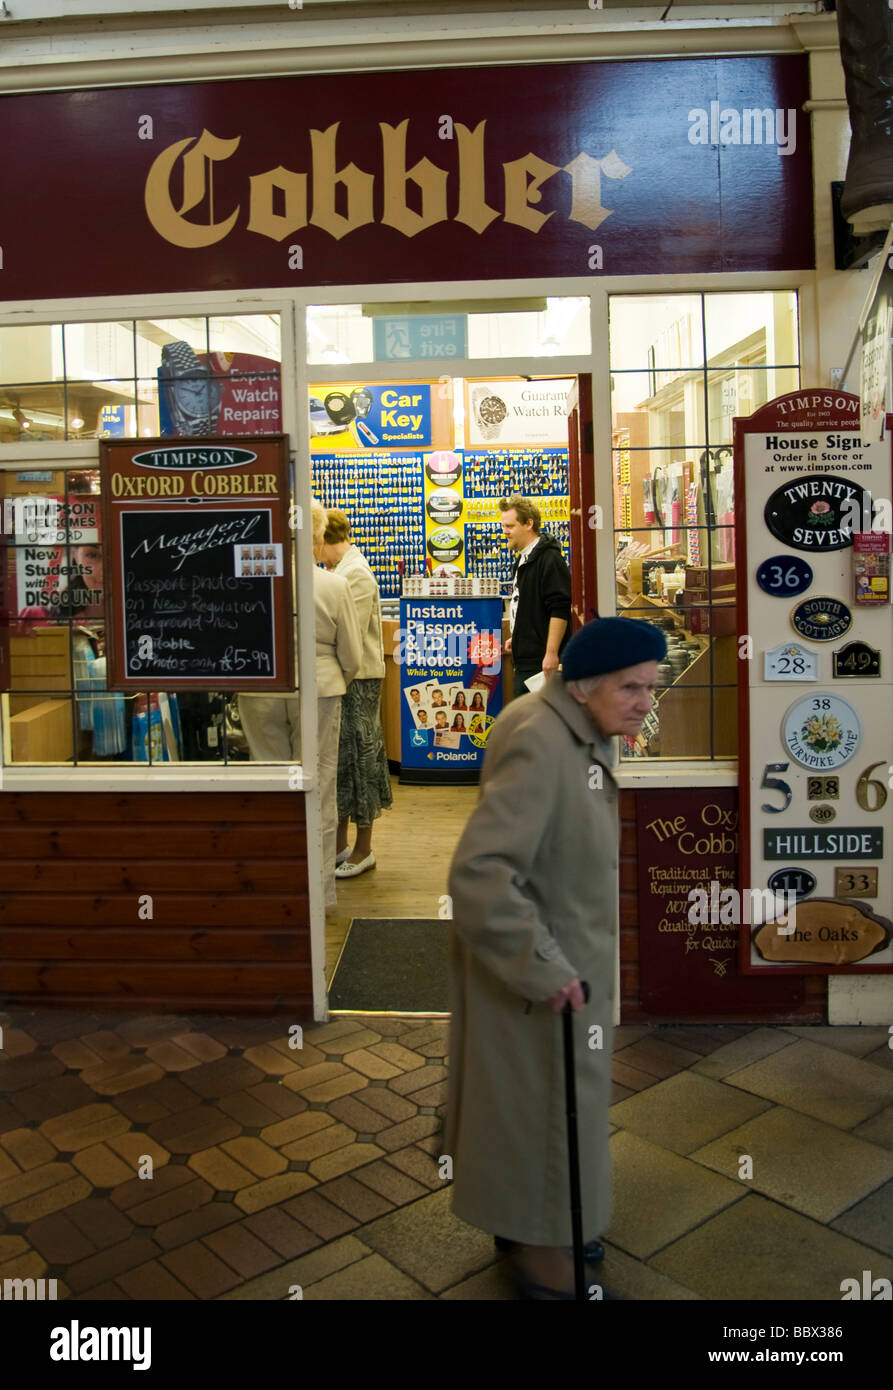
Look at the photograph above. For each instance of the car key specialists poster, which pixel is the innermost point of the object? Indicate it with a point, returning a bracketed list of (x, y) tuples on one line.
[(200, 554)]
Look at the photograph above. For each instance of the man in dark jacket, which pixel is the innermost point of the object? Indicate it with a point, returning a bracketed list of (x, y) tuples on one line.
[(540, 608)]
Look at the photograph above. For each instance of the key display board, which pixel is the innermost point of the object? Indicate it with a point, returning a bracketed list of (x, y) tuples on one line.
[(815, 701), (199, 550)]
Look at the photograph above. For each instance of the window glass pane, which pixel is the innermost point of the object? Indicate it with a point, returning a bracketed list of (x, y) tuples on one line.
[(545, 327), (148, 426), (96, 351), (31, 352), (31, 412), (742, 328), (659, 333), (97, 410), (674, 494), (255, 334), (742, 391), (668, 418)]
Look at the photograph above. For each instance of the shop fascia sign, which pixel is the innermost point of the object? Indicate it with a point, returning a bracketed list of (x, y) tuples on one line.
[(281, 201)]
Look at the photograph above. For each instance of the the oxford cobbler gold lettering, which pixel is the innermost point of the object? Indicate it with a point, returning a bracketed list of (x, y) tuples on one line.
[(184, 180)]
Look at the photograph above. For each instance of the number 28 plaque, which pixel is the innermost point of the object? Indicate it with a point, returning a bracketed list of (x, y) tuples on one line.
[(790, 662)]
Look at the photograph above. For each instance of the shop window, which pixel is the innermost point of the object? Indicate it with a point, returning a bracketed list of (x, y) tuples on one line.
[(145, 377), (542, 327), (682, 367), (59, 709)]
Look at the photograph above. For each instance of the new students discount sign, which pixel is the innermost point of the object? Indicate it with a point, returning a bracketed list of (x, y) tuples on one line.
[(813, 519)]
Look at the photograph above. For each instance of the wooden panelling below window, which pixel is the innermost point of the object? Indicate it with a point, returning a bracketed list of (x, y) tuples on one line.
[(185, 901)]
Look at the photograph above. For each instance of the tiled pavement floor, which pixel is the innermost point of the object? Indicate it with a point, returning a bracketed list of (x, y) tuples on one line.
[(274, 1166)]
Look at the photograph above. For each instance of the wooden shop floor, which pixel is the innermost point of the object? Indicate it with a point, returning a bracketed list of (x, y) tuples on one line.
[(413, 844)]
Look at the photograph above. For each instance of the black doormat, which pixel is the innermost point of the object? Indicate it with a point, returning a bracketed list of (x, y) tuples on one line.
[(392, 965)]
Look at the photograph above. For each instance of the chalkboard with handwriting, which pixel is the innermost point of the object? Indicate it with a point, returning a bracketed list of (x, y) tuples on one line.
[(187, 615), (200, 559)]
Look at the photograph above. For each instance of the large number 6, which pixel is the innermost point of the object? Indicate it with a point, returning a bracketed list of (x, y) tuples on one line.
[(880, 791), (775, 784)]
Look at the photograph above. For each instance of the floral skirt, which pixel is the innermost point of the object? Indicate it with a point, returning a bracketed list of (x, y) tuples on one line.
[(364, 784)]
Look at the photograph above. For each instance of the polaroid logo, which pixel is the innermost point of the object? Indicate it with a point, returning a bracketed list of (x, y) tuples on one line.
[(76, 1343), (748, 126), (453, 757), (37, 1289)]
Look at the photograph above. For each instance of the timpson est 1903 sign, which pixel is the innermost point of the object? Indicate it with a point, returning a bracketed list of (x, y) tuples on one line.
[(607, 167), (804, 485), (198, 541)]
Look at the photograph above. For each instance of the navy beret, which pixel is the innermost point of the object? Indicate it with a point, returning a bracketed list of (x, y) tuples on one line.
[(611, 644)]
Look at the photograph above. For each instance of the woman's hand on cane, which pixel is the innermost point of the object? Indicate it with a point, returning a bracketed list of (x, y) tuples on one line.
[(571, 994)]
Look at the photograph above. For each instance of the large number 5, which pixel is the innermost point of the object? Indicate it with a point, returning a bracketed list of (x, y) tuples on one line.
[(775, 784)]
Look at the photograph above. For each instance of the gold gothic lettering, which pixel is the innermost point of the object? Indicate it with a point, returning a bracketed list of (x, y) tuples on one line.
[(358, 186), (198, 180), (586, 186), (426, 176), (293, 187), (278, 198), (519, 193), (473, 209)]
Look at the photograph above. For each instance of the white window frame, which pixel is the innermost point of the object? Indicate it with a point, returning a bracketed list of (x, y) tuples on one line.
[(291, 306)]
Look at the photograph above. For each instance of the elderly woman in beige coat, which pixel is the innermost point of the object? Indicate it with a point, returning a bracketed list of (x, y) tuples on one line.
[(534, 890)]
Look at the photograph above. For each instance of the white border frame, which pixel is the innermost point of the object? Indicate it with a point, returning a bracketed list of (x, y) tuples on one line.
[(291, 306)]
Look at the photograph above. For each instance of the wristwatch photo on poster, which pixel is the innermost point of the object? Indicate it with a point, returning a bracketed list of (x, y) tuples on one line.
[(815, 703)]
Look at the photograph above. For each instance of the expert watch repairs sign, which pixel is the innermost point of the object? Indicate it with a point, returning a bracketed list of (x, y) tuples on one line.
[(815, 703)]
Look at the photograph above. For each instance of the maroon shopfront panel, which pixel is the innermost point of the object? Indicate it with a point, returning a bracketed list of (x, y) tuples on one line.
[(667, 166), (673, 964)]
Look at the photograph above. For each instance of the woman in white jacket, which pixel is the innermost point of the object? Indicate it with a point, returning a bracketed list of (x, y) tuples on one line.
[(272, 723), (364, 784)]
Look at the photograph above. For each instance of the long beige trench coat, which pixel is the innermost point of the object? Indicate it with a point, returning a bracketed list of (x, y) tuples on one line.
[(534, 889)]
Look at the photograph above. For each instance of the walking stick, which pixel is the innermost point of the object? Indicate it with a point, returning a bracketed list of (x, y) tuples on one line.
[(573, 1150)]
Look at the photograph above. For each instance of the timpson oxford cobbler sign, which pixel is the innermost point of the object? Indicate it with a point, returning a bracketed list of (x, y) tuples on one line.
[(198, 539), (568, 169)]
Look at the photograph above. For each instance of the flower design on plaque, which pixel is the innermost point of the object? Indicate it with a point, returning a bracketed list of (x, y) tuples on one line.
[(817, 513), (790, 662), (822, 731)]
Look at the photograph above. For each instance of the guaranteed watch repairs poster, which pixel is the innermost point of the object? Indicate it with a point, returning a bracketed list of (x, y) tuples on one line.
[(815, 698)]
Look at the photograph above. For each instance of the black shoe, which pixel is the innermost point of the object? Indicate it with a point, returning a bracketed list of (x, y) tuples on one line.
[(593, 1251)]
